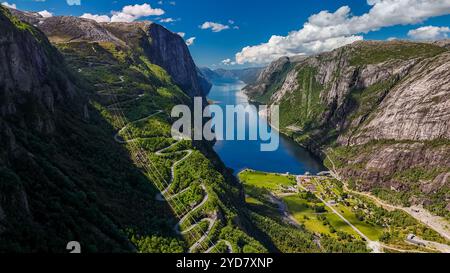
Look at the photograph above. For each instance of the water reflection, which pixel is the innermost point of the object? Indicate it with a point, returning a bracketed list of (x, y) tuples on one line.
[(239, 155)]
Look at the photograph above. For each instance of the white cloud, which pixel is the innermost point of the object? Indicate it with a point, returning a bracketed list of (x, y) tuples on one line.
[(96, 17), (215, 27), (128, 14), (181, 34), (73, 2), (132, 13), (142, 10), (167, 20), (11, 6), (228, 62), (122, 17), (45, 13), (325, 31), (232, 23), (429, 33), (190, 41)]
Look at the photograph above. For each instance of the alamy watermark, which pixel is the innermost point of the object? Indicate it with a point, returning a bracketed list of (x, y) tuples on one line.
[(234, 124)]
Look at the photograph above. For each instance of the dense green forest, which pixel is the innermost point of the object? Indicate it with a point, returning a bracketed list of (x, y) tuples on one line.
[(81, 183)]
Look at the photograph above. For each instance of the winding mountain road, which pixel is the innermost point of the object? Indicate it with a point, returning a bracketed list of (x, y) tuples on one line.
[(165, 195)]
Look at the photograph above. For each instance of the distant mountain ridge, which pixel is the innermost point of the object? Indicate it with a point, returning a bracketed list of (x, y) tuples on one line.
[(247, 75)]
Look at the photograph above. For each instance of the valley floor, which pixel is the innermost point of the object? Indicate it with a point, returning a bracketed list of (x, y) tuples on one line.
[(326, 207), (437, 223)]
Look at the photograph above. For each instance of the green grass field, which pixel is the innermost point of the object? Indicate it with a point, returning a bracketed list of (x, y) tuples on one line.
[(303, 213), (303, 206), (372, 231), (272, 182)]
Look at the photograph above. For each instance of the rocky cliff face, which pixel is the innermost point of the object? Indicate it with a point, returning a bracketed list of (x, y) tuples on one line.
[(162, 47), (384, 109), (270, 78), (32, 74), (169, 51), (165, 49), (417, 108)]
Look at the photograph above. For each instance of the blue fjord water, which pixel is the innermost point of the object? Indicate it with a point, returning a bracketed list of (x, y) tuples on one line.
[(240, 155)]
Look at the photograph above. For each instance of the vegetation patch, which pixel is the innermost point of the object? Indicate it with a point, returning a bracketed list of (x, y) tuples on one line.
[(303, 107), (378, 53)]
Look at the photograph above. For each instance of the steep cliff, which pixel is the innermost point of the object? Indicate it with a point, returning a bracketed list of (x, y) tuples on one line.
[(46, 192), (33, 78), (383, 109), (270, 79), (161, 46), (169, 51)]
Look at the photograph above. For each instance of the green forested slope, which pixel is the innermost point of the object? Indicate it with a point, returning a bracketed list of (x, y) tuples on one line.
[(76, 182)]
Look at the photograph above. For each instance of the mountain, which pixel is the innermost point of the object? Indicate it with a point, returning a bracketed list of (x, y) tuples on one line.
[(87, 148), (163, 47), (45, 178), (378, 112), (270, 79), (247, 75)]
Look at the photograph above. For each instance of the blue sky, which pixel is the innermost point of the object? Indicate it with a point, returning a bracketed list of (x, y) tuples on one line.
[(252, 22)]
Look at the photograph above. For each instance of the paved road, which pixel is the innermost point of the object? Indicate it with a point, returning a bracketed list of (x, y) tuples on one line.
[(164, 196), (230, 247), (375, 246)]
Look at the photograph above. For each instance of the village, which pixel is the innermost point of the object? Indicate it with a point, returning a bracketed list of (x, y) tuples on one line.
[(323, 205)]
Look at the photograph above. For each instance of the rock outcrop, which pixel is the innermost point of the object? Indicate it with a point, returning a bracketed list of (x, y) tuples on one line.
[(169, 51), (270, 79), (33, 78), (417, 108)]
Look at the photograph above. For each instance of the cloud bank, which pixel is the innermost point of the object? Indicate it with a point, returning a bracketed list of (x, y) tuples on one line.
[(95, 17), (8, 5), (215, 27), (429, 33), (45, 13), (326, 31), (73, 2), (128, 13)]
